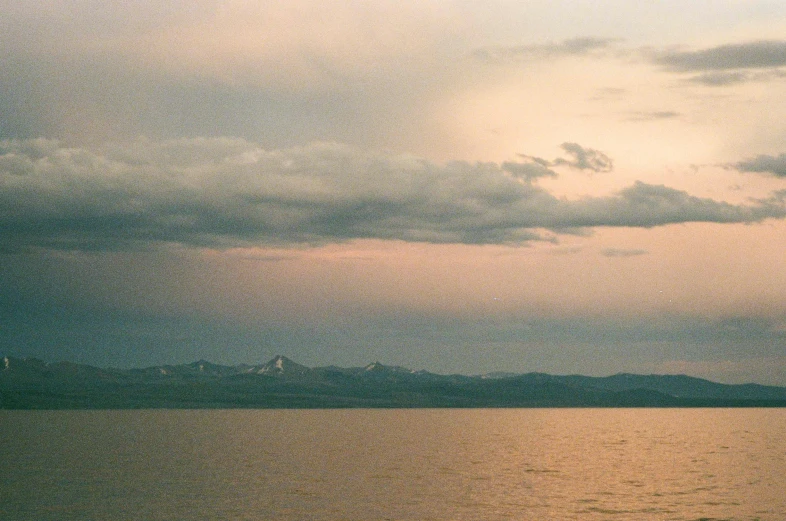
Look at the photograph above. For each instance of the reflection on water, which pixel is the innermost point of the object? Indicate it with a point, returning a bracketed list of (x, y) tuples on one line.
[(487, 464)]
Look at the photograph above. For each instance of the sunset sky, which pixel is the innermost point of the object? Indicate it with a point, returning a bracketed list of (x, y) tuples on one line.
[(573, 186)]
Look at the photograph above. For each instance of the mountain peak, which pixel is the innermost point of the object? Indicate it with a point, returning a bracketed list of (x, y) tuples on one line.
[(200, 365), (280, 365), (378, 367)]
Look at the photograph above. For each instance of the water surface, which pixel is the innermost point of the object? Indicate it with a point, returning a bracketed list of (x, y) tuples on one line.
[(480, 464)]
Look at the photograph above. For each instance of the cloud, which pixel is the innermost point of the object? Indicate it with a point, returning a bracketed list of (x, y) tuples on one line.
[(721, 65), (298, 45), (533, 168), (620, 252), (724, 78), (281, 73), (585, 158), (224, 193), (765, 54), (572, 47), (580, 158), (655, 115), (774, 165), (645, 205), (720, 78)]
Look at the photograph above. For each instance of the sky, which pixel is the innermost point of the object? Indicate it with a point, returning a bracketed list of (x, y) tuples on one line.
[(461, 187)]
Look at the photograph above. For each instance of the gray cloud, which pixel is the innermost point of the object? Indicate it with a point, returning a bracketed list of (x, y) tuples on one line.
[(715, 66), (720, 78), (653, 116), (774, 165), (534, 168), (572, 47), (645, 205), (580, 158), (225, 192), (585, 158), (765, 54), (622, 252)]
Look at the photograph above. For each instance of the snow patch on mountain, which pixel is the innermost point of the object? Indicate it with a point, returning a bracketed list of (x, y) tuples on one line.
[(280, 365)]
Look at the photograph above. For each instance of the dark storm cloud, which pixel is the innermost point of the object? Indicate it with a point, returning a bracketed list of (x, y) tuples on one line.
[(228, 192), (571, 47), (774, 165), (766, 54)]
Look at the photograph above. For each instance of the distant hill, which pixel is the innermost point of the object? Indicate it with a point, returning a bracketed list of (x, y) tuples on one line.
[(282, 383)]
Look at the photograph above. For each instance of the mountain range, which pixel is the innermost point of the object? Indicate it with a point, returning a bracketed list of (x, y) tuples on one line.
[(30, 383)]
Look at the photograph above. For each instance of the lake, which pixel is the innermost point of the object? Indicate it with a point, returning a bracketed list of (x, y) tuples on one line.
[(416, 464)]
